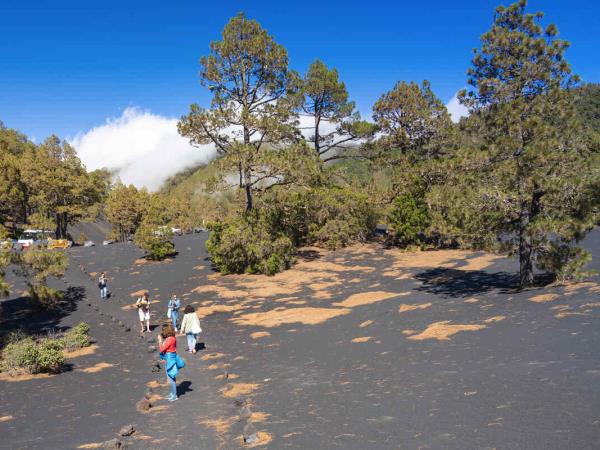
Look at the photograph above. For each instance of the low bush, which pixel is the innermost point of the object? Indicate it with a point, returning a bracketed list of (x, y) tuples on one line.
[(77, 337), (50, 355), (156, 243), (245, 246), (564, 261), (409, 220), (25, 354), (20, 355)]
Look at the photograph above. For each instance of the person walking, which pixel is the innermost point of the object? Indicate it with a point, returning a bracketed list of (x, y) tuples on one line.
[(167, 344), (103, 285), (190, 326), (143, 307), (173, 310)]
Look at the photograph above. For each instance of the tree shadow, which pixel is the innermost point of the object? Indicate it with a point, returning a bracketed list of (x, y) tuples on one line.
[(308, 255), (25, 314), (463, 283)]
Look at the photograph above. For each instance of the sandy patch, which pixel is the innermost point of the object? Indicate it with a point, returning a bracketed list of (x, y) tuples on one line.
[(361, 339), (210, 356), (543, 298), (92, 445), (4, 376), (443, 330), (142, 261), (590, 286), (307, 316), (6, 418), (367, 298), (93, 274), (259, 334), (259, 417), (232, 390), (408, 332), (204, 311), (471, 300), (97, 367), (157, 384), (405, 307), (221, 291), (366, 323), (85, 351), (264, 438), (138, 293), (563, 314), (494, 319), (220, 425)]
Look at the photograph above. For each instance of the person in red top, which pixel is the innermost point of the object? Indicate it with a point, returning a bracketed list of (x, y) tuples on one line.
[(167, 344)]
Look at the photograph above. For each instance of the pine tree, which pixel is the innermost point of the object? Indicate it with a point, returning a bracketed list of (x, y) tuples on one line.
[(534, 168)]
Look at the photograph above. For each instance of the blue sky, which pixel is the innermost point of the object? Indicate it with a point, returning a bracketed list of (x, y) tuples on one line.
[(66, 66)]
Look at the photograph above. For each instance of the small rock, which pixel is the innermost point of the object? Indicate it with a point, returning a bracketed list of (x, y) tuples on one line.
[(144, 405), (127, 430), (250, 434), (155, 368), (127, 329), (148, 395), (113, 444), (245, 413), (239, 401), (152, 348)]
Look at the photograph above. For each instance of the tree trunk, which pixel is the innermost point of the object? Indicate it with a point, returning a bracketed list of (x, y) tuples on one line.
[(525, 251), (317, 136)]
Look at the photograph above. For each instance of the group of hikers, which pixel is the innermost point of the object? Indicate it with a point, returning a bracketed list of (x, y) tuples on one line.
[(167, 340)]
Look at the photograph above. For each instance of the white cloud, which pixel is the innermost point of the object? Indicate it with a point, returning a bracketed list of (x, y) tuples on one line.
[(144, 149), (456, 109)]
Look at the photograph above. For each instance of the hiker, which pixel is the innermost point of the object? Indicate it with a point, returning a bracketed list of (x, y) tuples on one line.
[(190, 326), (103, 285), (173, 310), (143, 306), (167, 344)]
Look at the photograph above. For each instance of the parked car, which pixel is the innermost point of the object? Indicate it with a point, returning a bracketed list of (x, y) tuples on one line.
[(30, 237), (89, 244), (177, 231), (108, 242)]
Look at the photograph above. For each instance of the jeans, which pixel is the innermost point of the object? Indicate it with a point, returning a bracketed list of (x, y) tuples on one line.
[(104, 292), (173, 385), (191, 341), (174, 317)]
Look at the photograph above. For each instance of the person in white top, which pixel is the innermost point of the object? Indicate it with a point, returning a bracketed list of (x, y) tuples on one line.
[(190, 326)]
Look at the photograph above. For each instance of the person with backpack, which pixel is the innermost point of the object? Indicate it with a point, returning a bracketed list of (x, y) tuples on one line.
[(103, 285), (167, 344), (190, 326), (143, 307), (173, 310)]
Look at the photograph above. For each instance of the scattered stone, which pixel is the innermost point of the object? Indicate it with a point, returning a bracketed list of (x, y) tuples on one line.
[(144, 405), (155, 368), (127, 329), (239, 401), (113, 444), (127, 430), (250, 434), (149, 393), (245, 413), (152, 348)]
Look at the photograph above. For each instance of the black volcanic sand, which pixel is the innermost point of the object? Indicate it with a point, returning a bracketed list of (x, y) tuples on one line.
[(359, 348)]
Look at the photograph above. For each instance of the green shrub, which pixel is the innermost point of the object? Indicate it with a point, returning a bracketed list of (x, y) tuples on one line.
[(77, 337), (50, 355), (564, 261), (409, 220), (46, 296), (240, 246), (21, 355), (155, 242)]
